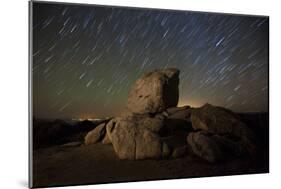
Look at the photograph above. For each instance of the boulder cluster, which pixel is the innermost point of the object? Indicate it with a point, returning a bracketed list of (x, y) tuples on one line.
[(154, 127)]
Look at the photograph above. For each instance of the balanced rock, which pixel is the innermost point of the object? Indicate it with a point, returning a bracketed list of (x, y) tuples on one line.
[(136, 137), (95, 135), (154, 91)]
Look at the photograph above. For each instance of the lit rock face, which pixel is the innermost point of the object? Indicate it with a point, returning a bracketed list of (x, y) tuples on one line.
[(154, 92), (136, 137)]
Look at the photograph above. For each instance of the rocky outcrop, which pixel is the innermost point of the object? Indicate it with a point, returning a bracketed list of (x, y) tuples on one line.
[(153, 127), (217, 134), (154, 92)]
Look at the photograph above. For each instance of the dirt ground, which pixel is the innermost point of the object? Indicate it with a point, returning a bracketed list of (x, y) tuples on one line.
[(97, 163)]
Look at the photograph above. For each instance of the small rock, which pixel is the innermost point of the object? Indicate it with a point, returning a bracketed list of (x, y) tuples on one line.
[(95, 135)]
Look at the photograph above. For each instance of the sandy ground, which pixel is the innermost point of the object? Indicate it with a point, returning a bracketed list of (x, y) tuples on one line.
[(97, 163)]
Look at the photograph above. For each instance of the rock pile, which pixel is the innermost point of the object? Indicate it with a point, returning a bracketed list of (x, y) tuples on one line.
[(153, 127)]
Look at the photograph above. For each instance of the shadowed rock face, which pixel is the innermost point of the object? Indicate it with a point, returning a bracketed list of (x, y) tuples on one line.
[(204, 146), (220, 121), (213, 147), (154, 92)]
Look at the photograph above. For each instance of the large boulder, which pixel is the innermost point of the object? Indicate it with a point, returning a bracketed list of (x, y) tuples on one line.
[(136, 137), (218, 120), (95, 135), (154, 92)]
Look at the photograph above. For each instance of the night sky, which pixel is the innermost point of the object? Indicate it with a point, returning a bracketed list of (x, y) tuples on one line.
[(86, 58)]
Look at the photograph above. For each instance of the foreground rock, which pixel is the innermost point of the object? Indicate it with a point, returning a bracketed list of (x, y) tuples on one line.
[(136, 137), (95, 135), (154, 92)]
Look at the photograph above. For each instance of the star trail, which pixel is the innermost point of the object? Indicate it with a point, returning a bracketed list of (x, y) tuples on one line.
[(86, 58)]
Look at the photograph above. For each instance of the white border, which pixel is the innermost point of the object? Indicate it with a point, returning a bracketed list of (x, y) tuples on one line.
[(14, 91)]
